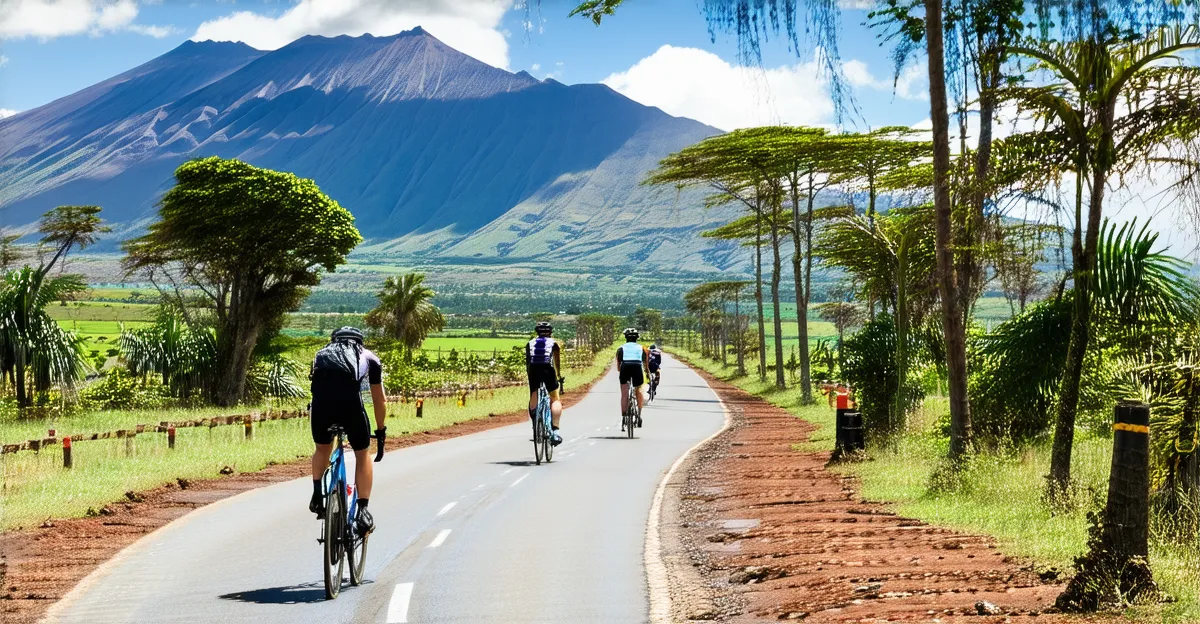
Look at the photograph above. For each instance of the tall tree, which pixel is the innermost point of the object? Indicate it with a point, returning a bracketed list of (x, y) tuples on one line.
[(252, 241), (405, 312), (27, 335), (1096, 77)]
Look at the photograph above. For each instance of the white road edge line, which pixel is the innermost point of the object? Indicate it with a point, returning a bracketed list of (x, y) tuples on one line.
[(576, 439), (448, 507), (520, 479), (507, 471), (398, 607), (439, 539), (657, 581)]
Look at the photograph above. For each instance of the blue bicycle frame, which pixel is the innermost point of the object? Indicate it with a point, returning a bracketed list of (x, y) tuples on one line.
[(543, 430), (335, 476)]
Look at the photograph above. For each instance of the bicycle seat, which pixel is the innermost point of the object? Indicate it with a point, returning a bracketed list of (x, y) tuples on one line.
[(336, 429)]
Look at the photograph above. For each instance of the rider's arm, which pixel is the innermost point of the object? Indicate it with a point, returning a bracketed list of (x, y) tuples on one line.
[(557, 355), (379, 404), (646, 362)]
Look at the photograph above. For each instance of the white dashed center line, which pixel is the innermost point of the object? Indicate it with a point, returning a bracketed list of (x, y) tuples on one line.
[(439, 539), (398, 607), (522, 478), (448, 507)]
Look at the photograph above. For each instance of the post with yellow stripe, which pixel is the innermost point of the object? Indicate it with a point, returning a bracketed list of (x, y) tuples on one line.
[(1127, 514), (1116, 569)]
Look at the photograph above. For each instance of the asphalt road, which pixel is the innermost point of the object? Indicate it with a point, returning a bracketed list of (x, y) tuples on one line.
[(469, 530)]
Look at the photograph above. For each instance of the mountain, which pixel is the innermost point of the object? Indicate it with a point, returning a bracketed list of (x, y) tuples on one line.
[(438, 155)]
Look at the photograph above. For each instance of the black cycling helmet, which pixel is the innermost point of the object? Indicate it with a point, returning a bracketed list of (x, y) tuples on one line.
[(544, 328), (654, 346), (631, 334), (347, 333)]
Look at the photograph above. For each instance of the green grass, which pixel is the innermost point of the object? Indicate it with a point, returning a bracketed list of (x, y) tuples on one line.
[(34, 486), (1000, 494), (445, 343)]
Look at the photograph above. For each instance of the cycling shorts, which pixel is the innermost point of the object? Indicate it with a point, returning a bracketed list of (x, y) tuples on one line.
[(632, 372), (542, 374), (654, 366), (349, 413)]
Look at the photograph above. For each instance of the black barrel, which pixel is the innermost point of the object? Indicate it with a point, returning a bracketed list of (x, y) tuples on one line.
[(852, 423)]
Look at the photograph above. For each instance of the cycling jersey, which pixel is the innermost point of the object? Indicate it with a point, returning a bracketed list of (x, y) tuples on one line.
[(655, 359), (630, 352), (346, 406), (540, 350)]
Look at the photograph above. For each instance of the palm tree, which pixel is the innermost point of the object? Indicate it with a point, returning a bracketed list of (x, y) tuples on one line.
[(182, 355), (1096, 77), (405, 312), (31, 341)]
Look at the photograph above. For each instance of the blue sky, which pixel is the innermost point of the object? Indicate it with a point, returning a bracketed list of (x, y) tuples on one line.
[(49, 56)]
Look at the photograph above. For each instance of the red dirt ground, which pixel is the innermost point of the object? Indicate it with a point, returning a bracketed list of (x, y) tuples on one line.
[(780, 537), (38, 566)]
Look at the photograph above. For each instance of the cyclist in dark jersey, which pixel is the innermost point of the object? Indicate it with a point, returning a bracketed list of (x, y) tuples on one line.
[(337, 404), (543, 361), (655, 364)]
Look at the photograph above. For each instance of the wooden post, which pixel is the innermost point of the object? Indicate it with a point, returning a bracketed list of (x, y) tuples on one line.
[(420, 407), (129, 435), (67, 452), (170, 437), (248, 423)]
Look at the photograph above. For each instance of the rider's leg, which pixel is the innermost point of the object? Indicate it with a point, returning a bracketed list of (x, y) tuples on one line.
[(624, 397), (320, 460), (641, 399), (532, 403), (555, 409), (364, 473)]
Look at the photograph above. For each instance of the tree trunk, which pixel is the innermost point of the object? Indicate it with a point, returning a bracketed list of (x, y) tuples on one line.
[(235, 348), (802, 307), (952, 321), (1085, 266), (19, 376), (776, 270), (741, 337), (758, 296)]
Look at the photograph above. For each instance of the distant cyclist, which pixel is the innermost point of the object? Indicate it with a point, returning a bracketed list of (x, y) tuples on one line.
[(655, 365), (632, 360), (543, 361), (340, 373)]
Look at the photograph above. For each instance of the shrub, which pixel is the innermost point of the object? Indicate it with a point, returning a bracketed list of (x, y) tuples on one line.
[(869, 365), (121, 390)]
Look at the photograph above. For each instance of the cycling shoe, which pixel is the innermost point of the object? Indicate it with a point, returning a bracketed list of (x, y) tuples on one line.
[(317, 505), (364, 523), (555, 439)]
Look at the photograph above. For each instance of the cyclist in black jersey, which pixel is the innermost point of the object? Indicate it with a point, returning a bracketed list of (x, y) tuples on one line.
[(655, 364), (543, 363), (337, 400)]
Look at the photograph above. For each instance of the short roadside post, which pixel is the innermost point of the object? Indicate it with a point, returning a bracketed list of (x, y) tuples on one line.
[(248, 423), (170, 437), (420, 407), (66, 451)]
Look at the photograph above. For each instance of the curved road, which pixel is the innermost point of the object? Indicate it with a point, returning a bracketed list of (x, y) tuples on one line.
[(469, 531)]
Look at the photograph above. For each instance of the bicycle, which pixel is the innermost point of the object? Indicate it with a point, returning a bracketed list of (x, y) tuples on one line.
[(543, 432), (632, 415), (653, 386), (341, 542)]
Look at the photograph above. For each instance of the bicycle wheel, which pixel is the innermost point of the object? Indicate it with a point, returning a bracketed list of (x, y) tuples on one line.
[(335, 520), (356, 554), (537, 439), (547, 438)]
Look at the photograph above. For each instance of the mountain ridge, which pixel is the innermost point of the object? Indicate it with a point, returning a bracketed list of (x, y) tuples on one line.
[(436, 153)]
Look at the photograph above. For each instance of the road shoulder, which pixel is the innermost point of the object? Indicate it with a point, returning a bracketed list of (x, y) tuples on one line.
[(754, 529)]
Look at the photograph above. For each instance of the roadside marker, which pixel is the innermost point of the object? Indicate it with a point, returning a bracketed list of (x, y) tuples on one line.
[(439, 539), (448, 507), (398, 607)]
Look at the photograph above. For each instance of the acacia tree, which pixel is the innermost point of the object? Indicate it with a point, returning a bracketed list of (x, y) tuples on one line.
[(252, 241), (1114, 106)]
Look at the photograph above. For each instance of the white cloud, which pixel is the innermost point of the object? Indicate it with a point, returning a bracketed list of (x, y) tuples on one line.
[(913, 82), (7, 112), (535, 66), (470, 26), (694, 83), (858, 74), (3, 60), (158, 32), (47, 19)]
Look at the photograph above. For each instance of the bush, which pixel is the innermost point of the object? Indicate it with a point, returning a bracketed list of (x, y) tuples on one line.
[(121, 390), (869, 365)]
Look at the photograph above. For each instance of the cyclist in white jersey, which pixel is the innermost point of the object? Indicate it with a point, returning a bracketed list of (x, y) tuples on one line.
[(633, 364), (543, 361)]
